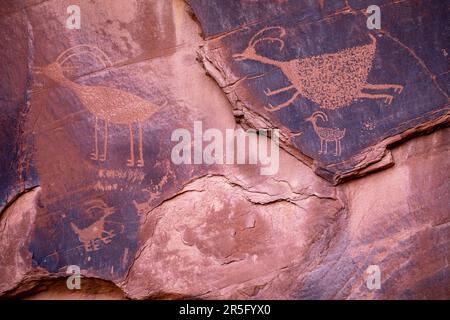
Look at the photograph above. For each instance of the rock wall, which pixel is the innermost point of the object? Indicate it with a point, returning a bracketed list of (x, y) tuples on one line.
[(92, 116)]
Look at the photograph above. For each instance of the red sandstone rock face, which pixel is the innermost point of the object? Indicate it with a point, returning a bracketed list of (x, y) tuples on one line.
[(140, 226)]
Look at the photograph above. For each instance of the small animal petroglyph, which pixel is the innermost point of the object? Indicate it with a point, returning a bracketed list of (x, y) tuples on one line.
[(332, 80), (108, 104), (93, 235), (326, 134)]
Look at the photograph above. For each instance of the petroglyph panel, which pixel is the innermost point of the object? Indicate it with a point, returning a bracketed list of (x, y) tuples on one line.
[(87, 176), (95, 126), (373, 87)]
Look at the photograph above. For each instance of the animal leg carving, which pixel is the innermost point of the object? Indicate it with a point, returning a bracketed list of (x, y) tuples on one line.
[(387, 97), (283, 105), (338, 148), (140, 162), (269, 92), (105, 142), (94, 155), (326, 147), (95, 245), (397, 88), (130, 162), (88, 246), (321, 146)]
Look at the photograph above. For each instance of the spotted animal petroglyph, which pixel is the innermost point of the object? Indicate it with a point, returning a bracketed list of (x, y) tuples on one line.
[(93, 235), (108, 104), (332, 80), (326, 134)]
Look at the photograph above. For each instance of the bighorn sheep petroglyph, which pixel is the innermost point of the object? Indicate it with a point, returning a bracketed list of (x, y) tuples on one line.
[(332, 80), (326, 134)]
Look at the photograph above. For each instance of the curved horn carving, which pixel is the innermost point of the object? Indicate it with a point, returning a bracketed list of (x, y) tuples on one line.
[(256, 38), (101, 56), (321, 115)]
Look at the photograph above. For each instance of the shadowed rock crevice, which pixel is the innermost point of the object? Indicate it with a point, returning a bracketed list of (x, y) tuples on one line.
[(51, 289)]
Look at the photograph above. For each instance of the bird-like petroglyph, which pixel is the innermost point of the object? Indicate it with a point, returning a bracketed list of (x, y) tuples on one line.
[(95, 234), (332, 80), (108, 104), (326, 134)]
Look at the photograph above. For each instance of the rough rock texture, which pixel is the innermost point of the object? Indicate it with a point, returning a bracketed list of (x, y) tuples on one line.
[(140, 226), (392, 222)]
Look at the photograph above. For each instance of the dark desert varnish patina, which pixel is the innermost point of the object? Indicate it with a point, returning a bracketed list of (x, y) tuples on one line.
[(283, 61)]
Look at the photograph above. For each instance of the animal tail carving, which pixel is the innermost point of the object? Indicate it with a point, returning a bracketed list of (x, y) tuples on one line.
[(75, 228), (373, 38)]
